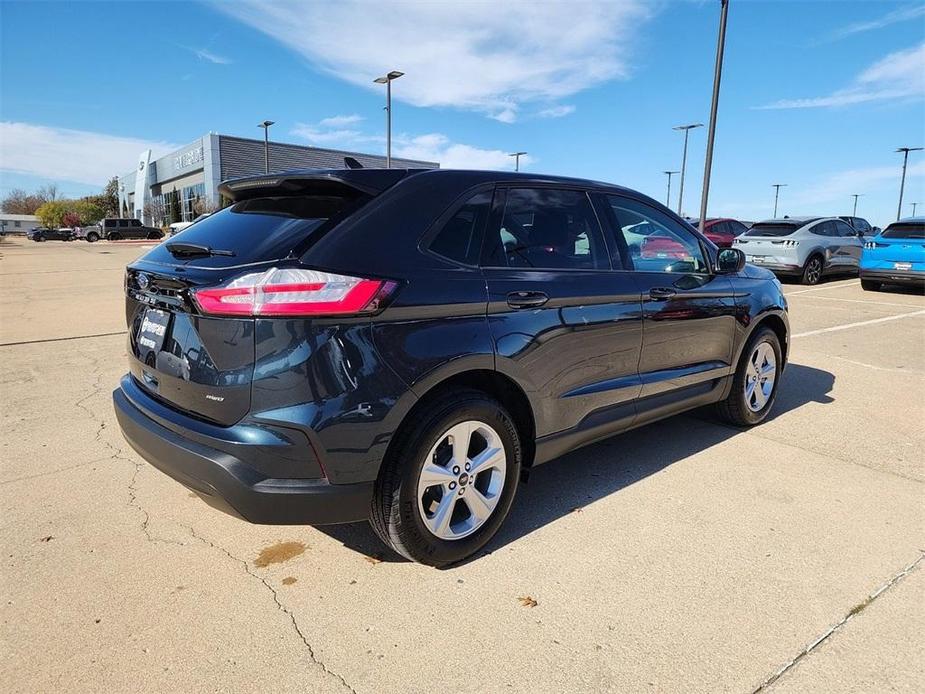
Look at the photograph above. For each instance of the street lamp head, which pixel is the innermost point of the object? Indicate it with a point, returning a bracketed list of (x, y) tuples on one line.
[(688, 127), (393, 75), (671, 173), (265, 124), (516, 154), (779, 185), (910, 149)]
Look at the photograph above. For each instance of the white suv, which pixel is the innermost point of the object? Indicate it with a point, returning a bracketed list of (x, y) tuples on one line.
[(804, 247)]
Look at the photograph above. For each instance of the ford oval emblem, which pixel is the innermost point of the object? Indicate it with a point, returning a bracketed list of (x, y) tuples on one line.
[(143, 281)]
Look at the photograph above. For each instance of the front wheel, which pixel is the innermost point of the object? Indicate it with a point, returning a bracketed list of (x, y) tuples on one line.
[(449, 480), (812, 271), (754, 386), (871, 285)]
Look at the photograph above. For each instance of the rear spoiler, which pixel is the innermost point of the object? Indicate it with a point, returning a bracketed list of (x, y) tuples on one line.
[(332, 182)]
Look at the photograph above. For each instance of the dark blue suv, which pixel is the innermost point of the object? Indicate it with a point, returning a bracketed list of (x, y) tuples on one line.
[(403, 346)]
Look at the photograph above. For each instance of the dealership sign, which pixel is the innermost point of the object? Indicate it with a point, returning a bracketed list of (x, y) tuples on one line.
[(188, 158)]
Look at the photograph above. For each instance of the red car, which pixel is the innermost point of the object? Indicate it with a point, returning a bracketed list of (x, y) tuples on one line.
[(720, 230)]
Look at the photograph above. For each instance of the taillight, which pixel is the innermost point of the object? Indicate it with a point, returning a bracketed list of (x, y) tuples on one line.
[(294, 292)]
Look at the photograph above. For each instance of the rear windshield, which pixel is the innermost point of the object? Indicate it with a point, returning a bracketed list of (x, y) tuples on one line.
[(260, 229), (762, 229), (904, 231)]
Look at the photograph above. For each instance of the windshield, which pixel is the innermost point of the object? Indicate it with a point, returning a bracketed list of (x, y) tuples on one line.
[(904, 231), (762, 229), (260, 229)]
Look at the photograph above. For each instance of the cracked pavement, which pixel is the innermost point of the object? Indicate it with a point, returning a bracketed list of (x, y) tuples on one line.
[(682, 556)]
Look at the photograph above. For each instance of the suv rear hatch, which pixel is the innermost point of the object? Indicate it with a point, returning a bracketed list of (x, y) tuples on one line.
[(203, 364)]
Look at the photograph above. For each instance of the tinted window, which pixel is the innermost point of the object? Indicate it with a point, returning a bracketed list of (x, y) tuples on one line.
[(844, 229), (260, 229), (550, 229), (771, 229), (136, 222), (656, 242), (736, 228), (904, 231), (824, 229), (459, 239)]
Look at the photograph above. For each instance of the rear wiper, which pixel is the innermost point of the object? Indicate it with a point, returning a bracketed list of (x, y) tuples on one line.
[(191, 250)]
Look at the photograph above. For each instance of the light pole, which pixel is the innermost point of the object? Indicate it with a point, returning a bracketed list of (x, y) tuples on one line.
[(777, 187), (668, 196), (914, 205), (854, 212), (687, 129), (902, 185), (387, 81), (266, 144), (714, 107), (517, 156)]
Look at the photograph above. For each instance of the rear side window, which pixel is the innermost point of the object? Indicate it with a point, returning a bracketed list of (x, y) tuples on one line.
[(460, 238), (844, 229), (762, 229), (544, 228), (261, 229), (824, 229), (904, 231)]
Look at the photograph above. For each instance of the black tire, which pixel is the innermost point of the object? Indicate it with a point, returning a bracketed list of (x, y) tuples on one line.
[(735, 408), (871, 285), (115, 237), (155, 235), (812, 271), (395, 514), (38, 237), (93, 237)]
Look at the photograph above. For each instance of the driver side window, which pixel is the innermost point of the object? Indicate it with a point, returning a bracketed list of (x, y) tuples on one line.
[(654, 241)]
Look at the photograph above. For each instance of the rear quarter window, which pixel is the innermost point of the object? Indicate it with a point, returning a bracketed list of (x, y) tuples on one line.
[(460, 238)]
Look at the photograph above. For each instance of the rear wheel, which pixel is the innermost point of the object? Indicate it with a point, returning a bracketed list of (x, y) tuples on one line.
[(754, 386), (92, 237), (115, 237), (812, 271), (154, 235), (871, 285), (449, 480), (38, 237)]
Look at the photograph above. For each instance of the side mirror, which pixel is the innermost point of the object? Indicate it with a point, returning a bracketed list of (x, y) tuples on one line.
[(730, 261)]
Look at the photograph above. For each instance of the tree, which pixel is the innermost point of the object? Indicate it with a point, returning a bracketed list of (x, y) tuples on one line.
[(110, 197), (70, 219), (174, 213), (51, 213), (19, 201), (203, 206), (88, 210)]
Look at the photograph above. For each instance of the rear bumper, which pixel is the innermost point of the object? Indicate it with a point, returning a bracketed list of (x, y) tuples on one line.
[(887, 276), (233, 486), (780, 268)]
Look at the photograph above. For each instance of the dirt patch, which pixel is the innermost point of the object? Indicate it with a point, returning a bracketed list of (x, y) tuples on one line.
[(278, 553)]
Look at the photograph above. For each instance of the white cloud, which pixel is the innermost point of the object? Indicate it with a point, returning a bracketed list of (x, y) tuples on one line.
[(507, 115), (901, 15), (340, 121), (473, 55), (205, 54), (60, 154), (556, 111), (900, 75)]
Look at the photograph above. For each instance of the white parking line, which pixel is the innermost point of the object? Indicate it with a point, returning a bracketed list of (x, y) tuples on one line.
[(836, 328), (822, 289)]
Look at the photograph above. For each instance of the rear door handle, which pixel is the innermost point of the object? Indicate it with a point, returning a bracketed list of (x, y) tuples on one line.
[(661, 292), (526, 299)]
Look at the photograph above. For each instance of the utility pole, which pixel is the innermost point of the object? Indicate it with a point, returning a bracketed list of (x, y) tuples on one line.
[(777, 187), (266, 144), (717, 76), (914, 205), (687, 129), (902, 185), (387, 81), (517, 156), (854, 213), (668, 196)]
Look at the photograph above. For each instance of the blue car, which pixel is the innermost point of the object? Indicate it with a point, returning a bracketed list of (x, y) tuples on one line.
[(895, 256)]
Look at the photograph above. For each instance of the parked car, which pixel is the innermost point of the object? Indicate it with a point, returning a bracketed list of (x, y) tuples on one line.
[(804, 247), (177, 227), (861, 225), (404, 346), (118, 229), (895, 256), (63, 234), (721, 230)]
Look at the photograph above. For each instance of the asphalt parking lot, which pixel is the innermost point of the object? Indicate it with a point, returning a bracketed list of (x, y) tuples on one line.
[(685, 556)]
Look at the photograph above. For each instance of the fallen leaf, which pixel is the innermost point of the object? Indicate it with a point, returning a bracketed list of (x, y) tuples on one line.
[(47, 538), (373, 560), (289, 580), (528, 601), (578, 509)]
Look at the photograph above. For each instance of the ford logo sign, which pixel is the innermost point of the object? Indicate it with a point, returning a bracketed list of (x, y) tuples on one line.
[(143, 281)]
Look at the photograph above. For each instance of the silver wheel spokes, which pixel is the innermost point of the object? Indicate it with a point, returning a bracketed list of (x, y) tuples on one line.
[(812, 273), (462, 479), (759, 377)]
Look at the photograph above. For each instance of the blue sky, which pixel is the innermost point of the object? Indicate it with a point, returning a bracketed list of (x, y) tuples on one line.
[(817, 95)]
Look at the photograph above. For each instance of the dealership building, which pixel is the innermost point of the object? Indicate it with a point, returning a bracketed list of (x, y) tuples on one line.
[(185, 182)]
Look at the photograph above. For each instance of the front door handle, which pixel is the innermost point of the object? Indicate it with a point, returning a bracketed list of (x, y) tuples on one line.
[(661, 292), (526, 299)]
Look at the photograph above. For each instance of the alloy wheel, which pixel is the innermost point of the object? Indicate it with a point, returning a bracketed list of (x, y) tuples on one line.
[(760, 376), (461, 482), (813, 271)]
